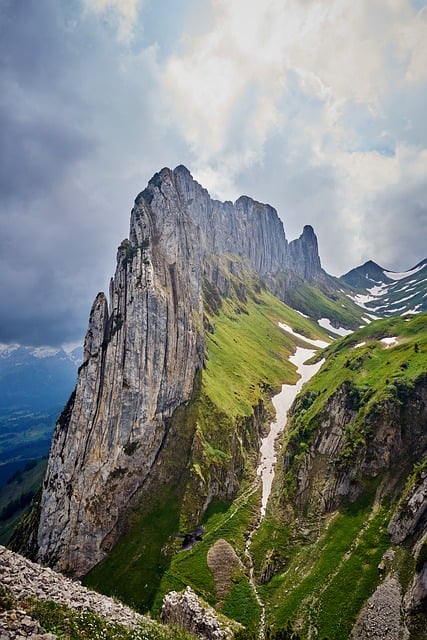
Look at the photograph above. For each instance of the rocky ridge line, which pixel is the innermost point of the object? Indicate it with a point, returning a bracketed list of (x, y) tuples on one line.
[(143, 349)]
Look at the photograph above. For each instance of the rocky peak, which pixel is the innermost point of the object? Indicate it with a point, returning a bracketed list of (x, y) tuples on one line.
[(304, 255), (143, 349), (249, 229)]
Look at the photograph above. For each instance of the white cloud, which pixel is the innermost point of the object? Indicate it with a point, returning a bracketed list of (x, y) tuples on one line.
[(314, 106), (412, 43), (122, 14)]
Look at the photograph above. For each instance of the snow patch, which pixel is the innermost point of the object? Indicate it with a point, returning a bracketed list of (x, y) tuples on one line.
[(315, 343), (325, 323), (389, 341), (282, 403)]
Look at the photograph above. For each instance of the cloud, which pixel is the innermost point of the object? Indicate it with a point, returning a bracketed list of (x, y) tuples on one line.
[(315, 101), (316, 107), (121, 15), (78, 142)]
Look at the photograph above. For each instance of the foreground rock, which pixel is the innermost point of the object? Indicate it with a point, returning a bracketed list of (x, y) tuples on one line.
[(185, 610), (25, 579), (18, 624)]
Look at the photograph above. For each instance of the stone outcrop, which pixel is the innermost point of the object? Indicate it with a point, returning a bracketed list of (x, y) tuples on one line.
[(143, 348), (19, 625), (333, 470), (224, 564), (411, 515), (26, 579), (380, 618), (185, 610)]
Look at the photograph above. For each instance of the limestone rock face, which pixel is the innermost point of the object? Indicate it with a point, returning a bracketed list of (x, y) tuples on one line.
[(304, 256), (185, 610), (395, 439), (142, 350), (411, 515)]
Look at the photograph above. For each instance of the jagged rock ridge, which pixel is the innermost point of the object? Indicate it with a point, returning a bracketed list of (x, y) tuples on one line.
[(142, 351)]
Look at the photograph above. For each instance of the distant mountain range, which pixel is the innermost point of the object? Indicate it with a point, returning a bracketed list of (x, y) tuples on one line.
[(35, 382), (385, 293)]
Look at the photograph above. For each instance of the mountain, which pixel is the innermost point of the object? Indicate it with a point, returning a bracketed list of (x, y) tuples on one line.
[(212, 314), (387, 293), (36, 377), (349, 506), (35, 382), (144, 353)]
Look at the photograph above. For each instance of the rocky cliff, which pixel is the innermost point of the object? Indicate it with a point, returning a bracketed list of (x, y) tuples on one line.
[(350, 497), (143, 349)]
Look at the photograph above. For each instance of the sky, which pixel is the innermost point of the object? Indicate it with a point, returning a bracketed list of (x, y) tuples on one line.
[(317, 107)]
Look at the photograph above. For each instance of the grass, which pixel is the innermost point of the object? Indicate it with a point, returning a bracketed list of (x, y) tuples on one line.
[(310, 590), (222, 521), (373, 374), (312, 573), (248, 352), (72, 624), (133, 570), (318, 304)]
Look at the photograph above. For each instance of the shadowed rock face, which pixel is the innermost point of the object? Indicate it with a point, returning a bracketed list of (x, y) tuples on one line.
[(142, 350)]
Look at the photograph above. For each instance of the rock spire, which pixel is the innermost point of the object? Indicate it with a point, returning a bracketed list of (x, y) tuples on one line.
[(142, 350)]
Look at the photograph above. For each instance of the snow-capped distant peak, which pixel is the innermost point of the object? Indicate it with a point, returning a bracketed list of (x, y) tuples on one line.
[(44, 352), (7, 349)]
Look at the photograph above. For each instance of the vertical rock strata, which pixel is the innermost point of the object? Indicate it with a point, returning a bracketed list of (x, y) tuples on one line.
[(142, 350)]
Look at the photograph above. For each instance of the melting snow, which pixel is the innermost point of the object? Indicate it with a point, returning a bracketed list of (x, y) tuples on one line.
[(326, 324), (282, 402), (316, 343), (389, 341)]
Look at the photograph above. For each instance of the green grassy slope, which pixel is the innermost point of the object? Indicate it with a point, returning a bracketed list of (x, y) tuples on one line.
[(325, 566), (333, 303), (211, 447)]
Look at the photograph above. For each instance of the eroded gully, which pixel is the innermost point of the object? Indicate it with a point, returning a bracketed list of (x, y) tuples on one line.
[(282, 403)]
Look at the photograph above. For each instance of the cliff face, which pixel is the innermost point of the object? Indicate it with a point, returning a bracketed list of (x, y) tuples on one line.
[(142, 351), (351, 490)]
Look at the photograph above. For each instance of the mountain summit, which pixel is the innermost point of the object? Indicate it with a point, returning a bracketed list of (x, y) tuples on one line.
[(144, 347)]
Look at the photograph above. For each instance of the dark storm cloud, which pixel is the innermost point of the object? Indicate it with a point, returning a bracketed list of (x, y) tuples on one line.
[(82, 129), (35, 153), (44, 246)]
